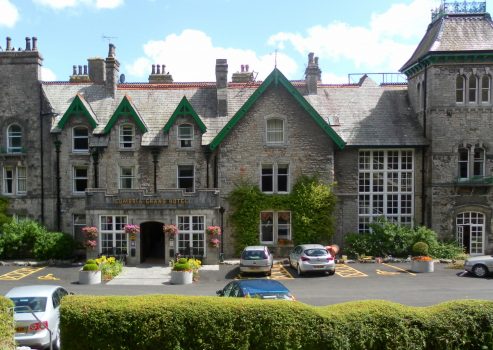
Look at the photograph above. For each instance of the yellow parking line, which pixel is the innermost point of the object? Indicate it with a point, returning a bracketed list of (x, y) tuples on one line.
[(344, 270), (48, 277), (398, 268), (20, 273), (278, 272)]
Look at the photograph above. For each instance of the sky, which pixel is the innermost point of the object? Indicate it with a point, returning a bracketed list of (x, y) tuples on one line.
[(187, 36)]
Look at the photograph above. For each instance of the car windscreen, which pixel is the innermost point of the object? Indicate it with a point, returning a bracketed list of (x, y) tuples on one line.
[(253, 255), (315, 252), (28, 304)]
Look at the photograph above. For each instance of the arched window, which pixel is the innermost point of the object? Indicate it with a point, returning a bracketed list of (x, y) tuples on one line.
[(485, 89), (473, 89), (185, 135), (14, 139), (463, 163), (275, 131), (80, 139), (127, 136), (459, 89)]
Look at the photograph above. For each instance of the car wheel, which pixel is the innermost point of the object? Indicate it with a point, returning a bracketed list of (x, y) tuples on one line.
[(480, 270), (269, 273), (299, 270), (332, 272)]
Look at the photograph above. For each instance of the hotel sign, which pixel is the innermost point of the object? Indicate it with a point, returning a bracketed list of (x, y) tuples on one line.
[(151, 201)]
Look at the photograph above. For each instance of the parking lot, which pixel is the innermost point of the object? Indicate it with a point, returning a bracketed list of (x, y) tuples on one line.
[(392, 281)]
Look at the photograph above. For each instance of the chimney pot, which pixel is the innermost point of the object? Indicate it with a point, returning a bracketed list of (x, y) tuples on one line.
[(246, 68), (111, 50), (310, 57), (158, 69), (74, 70), (9, 42), (80, 70), (28, 44), (153, 69), (316, 61), (35, 43), (85, 69), (242, 68), (162, 68)]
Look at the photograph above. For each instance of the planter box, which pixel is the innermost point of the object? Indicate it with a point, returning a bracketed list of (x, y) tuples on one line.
[(89, 277), (181, 277), (422, 266)]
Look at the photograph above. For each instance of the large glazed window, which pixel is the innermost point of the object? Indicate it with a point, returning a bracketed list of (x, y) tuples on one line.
[(14, 139), (471, 232), (113, 237), (385, 187), (191, 230)]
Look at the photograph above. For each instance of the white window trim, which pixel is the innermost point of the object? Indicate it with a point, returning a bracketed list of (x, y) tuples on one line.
[(10, 148), (75, 178), (180, 138), (275, 226), (476, 95), (275, 143), (471, 224), (191, 232), (178, 177), (275, 177), (79, 150), (487, 89), (114, 231), (132, 177), (15, 179), (121, 135)]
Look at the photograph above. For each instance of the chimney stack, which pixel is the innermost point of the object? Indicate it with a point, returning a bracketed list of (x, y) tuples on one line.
[(222, 86), (28, 44), (112, 69), (312, 74), (244, 76), (97, 70), (159, 75), (9, 43)]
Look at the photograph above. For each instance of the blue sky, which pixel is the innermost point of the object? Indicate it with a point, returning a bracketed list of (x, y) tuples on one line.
[(187, 36)]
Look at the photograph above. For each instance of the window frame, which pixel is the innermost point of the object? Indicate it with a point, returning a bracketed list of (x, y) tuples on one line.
[(76, 178), (460, 89), (180, 178), (14, 135), (14, 180), (185, 141), (191, 230), (80, 137), (274, 226), (270, 131), (124, 177), (126, 141), (485, 91), (275, 177), (463, 164), (115, 235), (472, 89)]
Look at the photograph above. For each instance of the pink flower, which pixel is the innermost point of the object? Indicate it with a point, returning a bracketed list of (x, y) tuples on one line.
[(90, 232), (213, 230), (131, 229), (170, 229), (214, 242), (91, 244)]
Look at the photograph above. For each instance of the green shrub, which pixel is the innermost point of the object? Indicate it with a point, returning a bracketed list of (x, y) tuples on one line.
[(18, 238), (53, 245), (7, 324), (448, 250), (166, 321), (90, 267), (91, 261), (182, 265), (420, 249)]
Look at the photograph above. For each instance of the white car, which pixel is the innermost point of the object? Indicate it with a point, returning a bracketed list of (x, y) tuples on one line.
[(480, 266), (44, 302), (256, 259), (312, 258)]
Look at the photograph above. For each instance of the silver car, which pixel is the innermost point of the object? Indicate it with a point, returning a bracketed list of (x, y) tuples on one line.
[(256, 259), (44, 302), (480, 266), (311, 258)]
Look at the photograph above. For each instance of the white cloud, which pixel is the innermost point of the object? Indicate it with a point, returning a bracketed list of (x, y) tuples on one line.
[(62, 4), (384, 45), (191, 56), (47, 74), (8, 14)]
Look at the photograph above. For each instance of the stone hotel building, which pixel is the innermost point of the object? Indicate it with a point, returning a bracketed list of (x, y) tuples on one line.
[(97, 151)]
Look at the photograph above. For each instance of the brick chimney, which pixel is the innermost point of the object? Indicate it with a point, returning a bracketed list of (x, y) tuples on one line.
[(159, 75), (312, 74), (244, 76), (112, 69), (222, 86), (97, 70)]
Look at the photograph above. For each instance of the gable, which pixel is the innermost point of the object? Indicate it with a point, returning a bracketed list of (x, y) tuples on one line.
[(276, 78), (78, 107), (125, 108), (184, 109)]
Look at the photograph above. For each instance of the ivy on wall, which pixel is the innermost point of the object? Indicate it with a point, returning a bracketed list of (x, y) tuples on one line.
[(311, 204)]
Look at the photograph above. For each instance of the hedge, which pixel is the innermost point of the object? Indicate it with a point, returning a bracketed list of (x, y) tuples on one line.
[(184, 322), (7, 325)]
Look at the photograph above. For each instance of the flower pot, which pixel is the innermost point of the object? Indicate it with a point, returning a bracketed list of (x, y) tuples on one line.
[(422, 266), (89, 277), (181, 277)]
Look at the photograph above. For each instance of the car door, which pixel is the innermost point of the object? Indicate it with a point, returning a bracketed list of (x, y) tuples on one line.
[(294, 256)]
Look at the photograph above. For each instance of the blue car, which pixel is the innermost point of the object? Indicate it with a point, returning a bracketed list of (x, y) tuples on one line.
[(256, 288)]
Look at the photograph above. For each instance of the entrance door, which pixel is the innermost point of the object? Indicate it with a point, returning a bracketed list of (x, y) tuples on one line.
[(152, 242), (470, 232)]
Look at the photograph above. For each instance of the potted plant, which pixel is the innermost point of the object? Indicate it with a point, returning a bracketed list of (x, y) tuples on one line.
[(170, 230), (214, 243), (420, 261), (90, 273), (182, 272), (131, 231), (213, 230)]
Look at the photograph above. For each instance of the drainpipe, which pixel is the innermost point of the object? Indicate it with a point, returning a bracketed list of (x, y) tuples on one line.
[(155, 153), (423, 161), (95, 158), (58, 179), (207, 160)]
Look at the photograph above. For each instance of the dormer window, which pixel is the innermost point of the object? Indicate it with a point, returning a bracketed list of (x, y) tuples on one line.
[(459, 89), (485, 88), (127, 136), (185, 135), (80, 139), (14, 139), (473, 89), (275, 131)]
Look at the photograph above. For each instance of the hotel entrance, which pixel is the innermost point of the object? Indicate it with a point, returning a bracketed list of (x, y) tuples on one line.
[(152, 242)]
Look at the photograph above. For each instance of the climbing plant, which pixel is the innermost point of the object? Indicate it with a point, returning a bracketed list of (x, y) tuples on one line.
[(311, 204)]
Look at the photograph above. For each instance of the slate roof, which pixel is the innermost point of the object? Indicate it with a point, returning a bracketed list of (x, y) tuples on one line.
[(455, 33), (361, 114)]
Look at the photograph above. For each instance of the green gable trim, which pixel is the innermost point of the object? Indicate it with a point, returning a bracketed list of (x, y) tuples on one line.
[(184, 108), (276, 78), (448, 57), (76, 107), (125, 108)]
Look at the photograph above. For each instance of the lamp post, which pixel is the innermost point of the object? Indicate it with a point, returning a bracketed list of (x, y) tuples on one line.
[(221, 254)]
